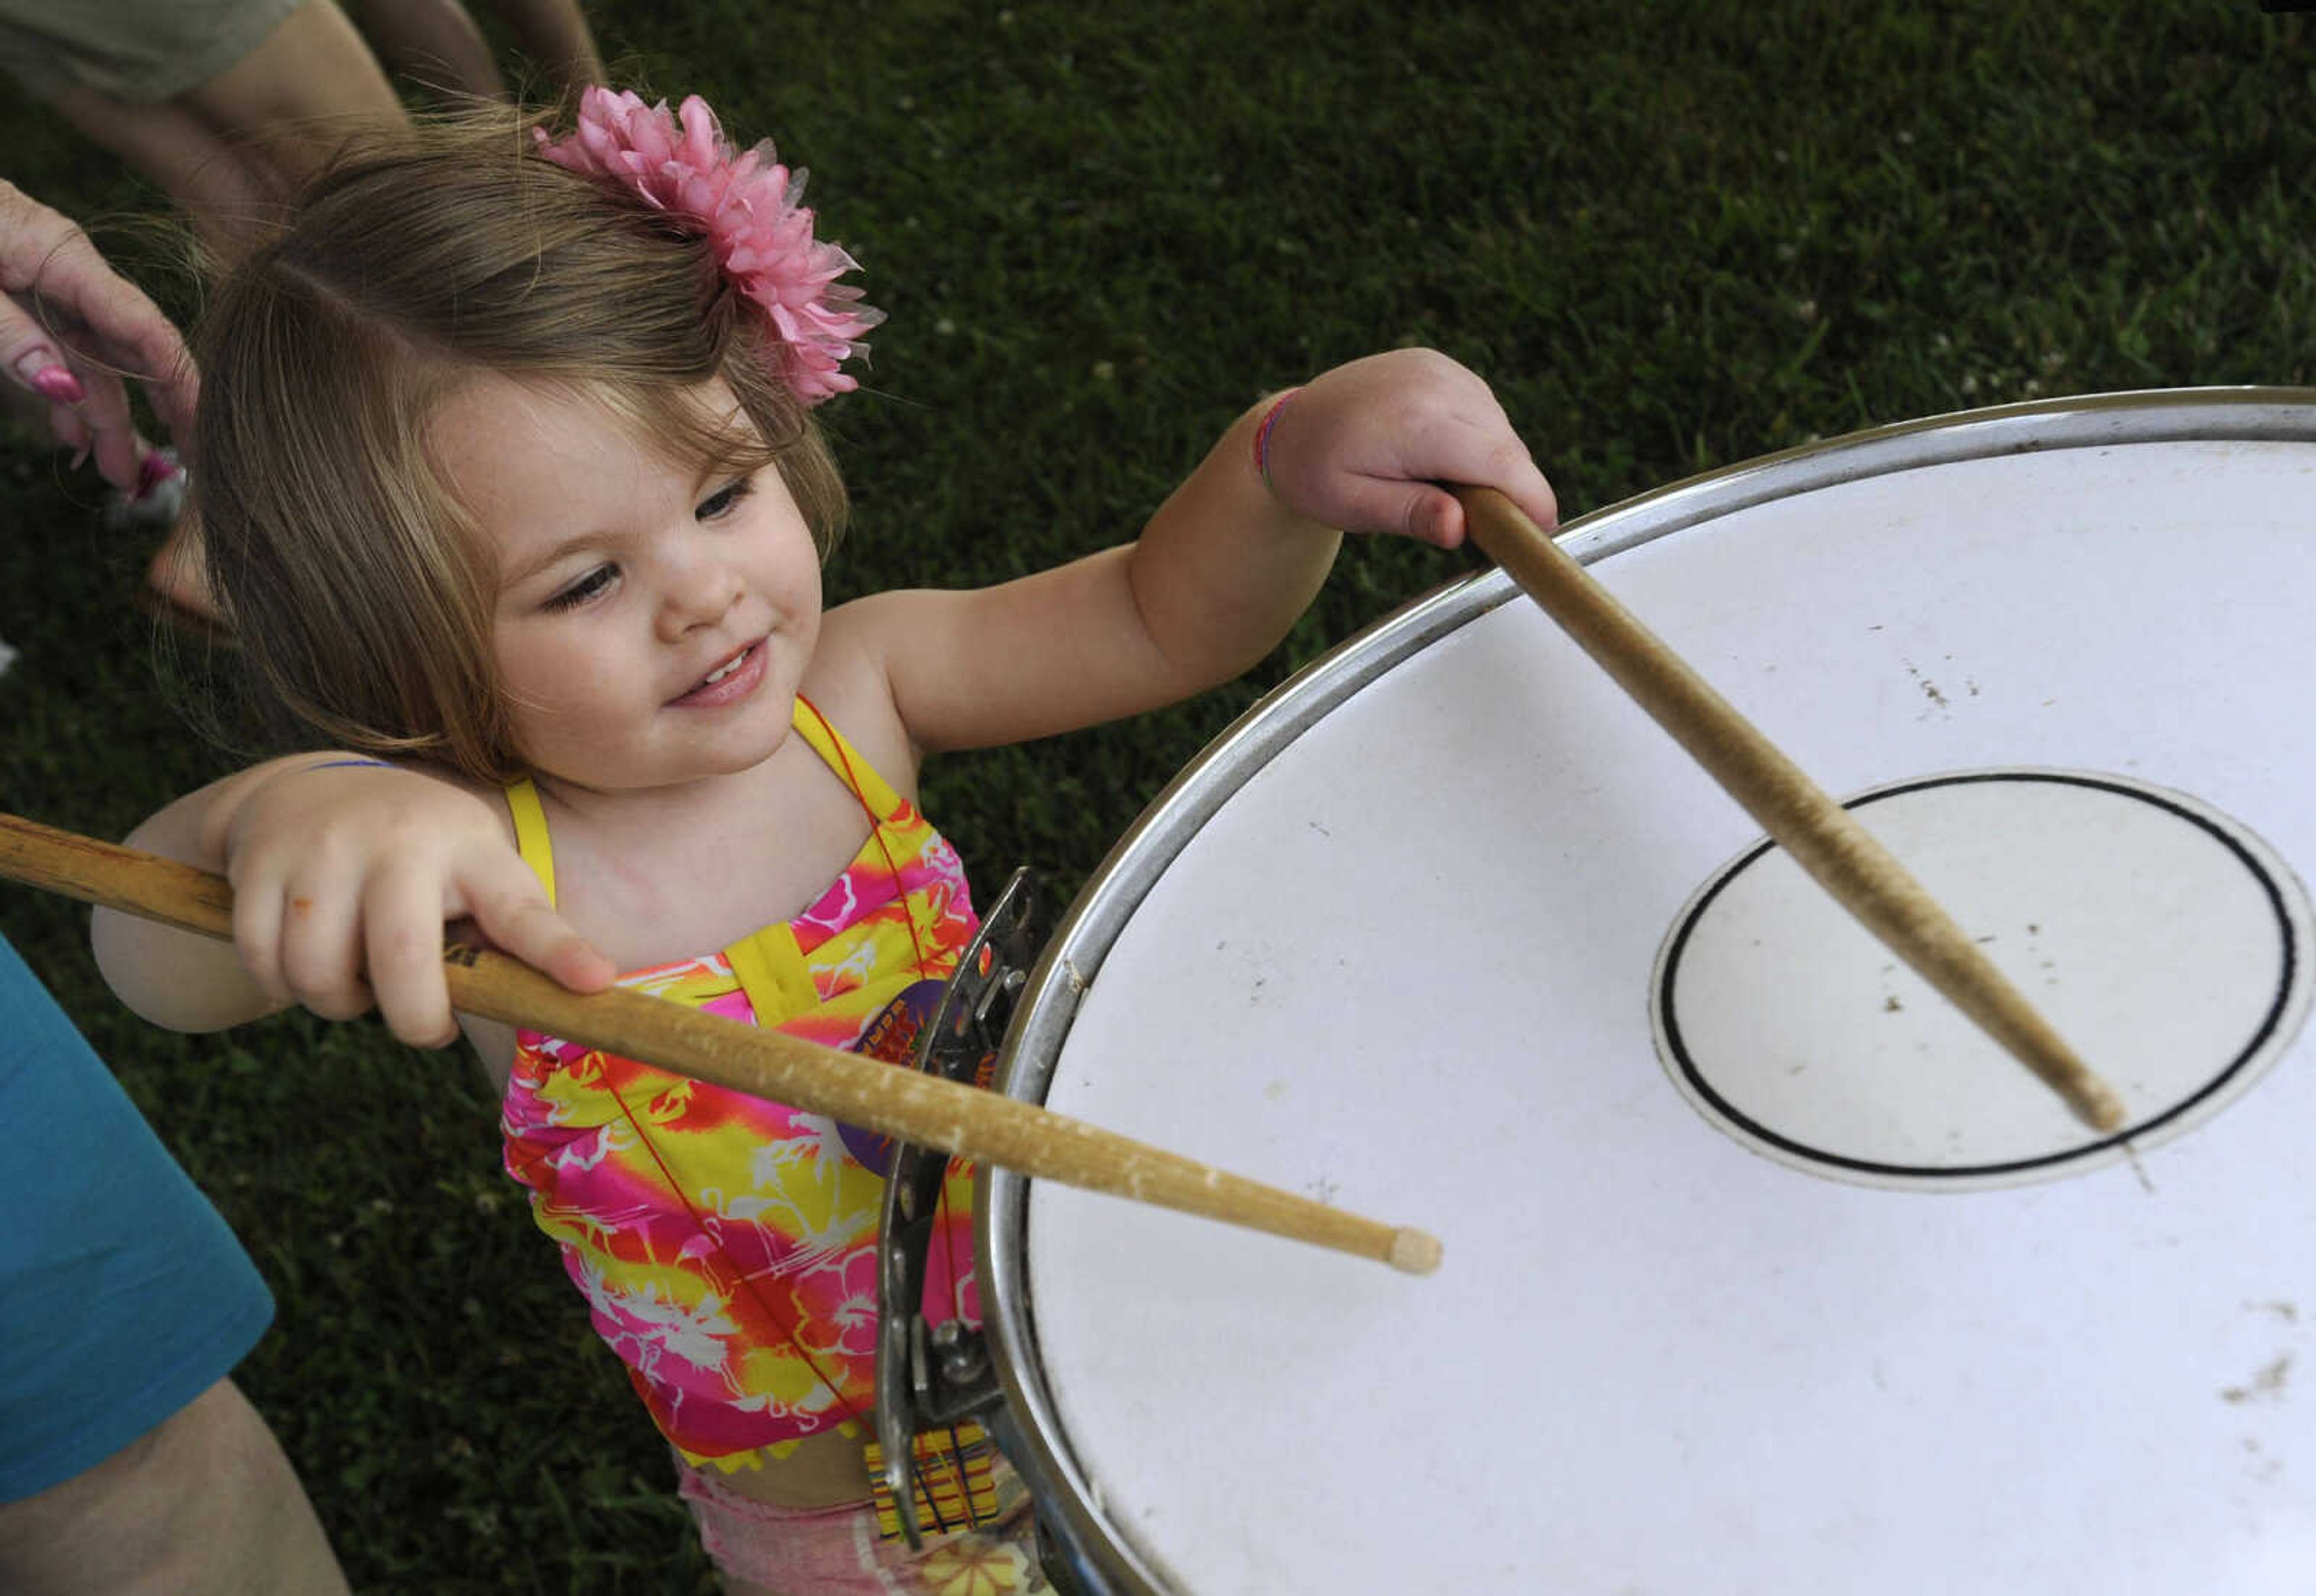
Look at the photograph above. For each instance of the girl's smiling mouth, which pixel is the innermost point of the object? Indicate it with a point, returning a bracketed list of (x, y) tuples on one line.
[(728, 683)]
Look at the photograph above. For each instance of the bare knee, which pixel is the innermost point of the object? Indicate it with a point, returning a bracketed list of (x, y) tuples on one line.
[(298, 94), (220, 185), (206, 1503), (229, 150)]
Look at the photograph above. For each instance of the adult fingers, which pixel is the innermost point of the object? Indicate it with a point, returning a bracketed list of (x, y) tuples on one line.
[(31, 358), (71, 432), (112, 432), (88, 409), (127, 327), (85, 412)]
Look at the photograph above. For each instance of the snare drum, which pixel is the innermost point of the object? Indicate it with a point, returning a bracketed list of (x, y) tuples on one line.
[(1763, 1273)]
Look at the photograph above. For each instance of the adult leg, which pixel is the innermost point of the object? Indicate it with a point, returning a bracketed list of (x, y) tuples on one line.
[(554, 34), (228, 150), (127, 1463), (239, 143), (432, 42), (205, 1505)]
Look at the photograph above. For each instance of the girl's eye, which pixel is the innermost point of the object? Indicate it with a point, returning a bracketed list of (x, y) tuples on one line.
[(724, 501), (587, 587)]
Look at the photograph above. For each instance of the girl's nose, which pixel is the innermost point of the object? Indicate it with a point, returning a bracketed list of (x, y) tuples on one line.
[(700, 594)]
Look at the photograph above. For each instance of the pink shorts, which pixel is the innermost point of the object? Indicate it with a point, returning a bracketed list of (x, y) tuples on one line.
[(836, 1551)]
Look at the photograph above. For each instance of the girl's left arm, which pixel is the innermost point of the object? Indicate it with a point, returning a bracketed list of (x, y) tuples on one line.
[(1220, 571)]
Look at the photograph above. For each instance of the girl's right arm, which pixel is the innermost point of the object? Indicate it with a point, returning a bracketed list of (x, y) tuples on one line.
[(344, 871)]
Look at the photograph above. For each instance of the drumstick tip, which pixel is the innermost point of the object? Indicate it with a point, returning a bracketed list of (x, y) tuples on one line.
[(1413, 1253), (2097, 1102)]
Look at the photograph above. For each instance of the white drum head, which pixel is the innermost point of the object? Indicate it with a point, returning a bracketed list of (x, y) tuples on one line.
[(1399, 942)]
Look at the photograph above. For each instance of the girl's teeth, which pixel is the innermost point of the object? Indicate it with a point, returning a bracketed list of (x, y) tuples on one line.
[(723, 671)]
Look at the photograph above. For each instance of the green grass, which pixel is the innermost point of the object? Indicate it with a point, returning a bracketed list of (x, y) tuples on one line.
[(1673, 235)]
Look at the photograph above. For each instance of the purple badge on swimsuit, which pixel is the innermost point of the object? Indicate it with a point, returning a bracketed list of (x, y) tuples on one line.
[(891, 1036)]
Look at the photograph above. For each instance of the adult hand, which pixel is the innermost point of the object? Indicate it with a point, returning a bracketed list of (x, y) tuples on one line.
[(55, 287)]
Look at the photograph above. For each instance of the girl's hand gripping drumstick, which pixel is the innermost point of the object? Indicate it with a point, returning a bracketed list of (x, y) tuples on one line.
[(963, 1120), (1823, 837)]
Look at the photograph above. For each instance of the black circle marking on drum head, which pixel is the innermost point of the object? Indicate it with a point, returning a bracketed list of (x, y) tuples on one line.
[(1723, 1098)]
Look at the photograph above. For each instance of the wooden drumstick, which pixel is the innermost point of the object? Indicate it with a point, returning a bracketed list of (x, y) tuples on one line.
[(897, 1102), (1823, 837)]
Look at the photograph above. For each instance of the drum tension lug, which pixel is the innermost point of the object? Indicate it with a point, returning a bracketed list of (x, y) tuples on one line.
[(949, 1375), (932, 1376)]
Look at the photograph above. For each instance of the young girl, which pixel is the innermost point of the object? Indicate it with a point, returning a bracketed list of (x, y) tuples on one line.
[(509, 483)]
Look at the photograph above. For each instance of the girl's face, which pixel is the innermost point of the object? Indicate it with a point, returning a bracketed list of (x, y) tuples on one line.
[(652, 624)]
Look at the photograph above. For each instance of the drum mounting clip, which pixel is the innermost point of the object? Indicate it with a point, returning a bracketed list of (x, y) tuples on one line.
[(928, 1377)]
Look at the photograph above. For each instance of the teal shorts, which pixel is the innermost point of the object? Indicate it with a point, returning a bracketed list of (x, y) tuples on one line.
[(123, 1295)]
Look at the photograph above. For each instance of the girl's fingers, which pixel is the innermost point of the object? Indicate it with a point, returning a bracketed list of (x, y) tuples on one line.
[(570, 958), (514, 915), (1417, 509), (1367, 448), (321, 952), (257, 938), (402, 929), (1506, 465), (1437, 518)]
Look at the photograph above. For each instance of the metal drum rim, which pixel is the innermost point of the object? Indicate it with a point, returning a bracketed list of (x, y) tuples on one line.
[(1082, 937)]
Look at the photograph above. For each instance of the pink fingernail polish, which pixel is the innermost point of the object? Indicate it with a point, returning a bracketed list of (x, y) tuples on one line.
[(56, 385), (153, 470)]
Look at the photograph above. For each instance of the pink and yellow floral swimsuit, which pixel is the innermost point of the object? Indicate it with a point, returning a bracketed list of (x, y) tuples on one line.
[(727, 1246)]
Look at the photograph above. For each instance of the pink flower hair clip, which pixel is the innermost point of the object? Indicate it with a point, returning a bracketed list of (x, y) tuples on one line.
[(747, 205)]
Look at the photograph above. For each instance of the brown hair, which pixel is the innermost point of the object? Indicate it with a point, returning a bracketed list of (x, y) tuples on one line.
[(358, 587)]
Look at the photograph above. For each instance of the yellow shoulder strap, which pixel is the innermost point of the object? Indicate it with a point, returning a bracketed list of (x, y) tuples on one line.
[(841, 757), (530, 833)]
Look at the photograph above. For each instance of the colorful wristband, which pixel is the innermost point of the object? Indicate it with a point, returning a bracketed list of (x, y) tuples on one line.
[(1262, 436)]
